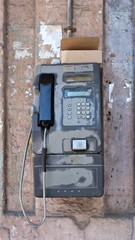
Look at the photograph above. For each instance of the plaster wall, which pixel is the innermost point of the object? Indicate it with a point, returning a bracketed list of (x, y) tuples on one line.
[(30, 33)]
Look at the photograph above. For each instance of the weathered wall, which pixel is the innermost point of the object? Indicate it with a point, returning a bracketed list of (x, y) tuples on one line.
[(20, 58), (31, 35), (119, 109), (2, 95)]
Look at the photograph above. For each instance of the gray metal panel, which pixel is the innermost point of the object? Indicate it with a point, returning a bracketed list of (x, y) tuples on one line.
[(63, 162), (83, 178)]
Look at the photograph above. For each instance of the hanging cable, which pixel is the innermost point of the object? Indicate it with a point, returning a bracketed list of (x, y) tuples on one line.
[(44, 152)]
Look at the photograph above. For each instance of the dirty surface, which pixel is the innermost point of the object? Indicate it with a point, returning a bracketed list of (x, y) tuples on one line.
[(23, 41)]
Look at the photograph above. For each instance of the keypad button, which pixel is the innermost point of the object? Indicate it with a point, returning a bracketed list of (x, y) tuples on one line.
[(78, 116), (83, 116), (69, 105), (87, 104), (87, 112), (83, 103), (78, 112), (78, 108), (87, 108), (69, 112), (83, 112), (78, 104), (88, 116), (69, 117), (69, 108), (83, 108)]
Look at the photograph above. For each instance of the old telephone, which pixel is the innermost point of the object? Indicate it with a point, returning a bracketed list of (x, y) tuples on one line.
[(67, 131)]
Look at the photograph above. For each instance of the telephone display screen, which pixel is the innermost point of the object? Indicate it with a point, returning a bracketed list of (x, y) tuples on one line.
[(77, 92)]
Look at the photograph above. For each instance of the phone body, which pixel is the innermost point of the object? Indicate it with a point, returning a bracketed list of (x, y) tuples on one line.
[(75, 165)]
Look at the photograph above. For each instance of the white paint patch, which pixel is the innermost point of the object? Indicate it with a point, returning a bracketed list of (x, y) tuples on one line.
[(29, 68), (1, 126), (28, 92), (49, 45), (55, 61), (14, 231), (13, 92), (13, 67), (99, 15), (12, 80), (20, 51), (129, 87), (111, 86)]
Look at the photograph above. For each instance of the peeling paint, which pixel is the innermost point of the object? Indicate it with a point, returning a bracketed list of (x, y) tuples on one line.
[(13, 67), (1, 126), (129, 87), (28, 92), (111, 86), (1, 52), (49, 45), (13, 92), (14, 230), (12, 80), (99, 15), (55, 61), (29, 68), (20, 51)]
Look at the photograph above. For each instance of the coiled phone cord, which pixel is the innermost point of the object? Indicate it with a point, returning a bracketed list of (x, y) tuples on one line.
[(21, 181)]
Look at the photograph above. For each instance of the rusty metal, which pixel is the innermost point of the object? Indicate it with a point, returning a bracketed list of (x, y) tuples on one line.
[(70, 29)]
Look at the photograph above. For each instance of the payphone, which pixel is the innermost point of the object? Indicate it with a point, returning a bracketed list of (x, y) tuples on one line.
[(67, 133), (68, 103)]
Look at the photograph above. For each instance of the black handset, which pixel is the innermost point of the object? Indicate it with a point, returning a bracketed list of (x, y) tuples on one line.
[(46, 103), (45, 121)]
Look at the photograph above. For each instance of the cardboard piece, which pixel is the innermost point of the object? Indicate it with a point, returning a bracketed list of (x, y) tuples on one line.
[(80, 50)]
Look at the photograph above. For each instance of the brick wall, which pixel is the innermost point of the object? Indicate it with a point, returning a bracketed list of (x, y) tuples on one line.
[(25, 42)]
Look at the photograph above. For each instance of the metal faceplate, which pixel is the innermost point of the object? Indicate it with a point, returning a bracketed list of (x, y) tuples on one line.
[(75, 142)]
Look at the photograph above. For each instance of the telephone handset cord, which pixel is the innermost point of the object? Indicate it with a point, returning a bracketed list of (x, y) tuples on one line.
[(44, 147)]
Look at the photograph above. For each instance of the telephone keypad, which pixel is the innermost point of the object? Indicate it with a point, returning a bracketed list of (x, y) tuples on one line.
[(84, 110), (78, 112)]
